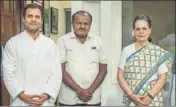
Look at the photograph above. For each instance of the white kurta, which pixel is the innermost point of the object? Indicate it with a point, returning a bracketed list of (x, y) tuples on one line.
[(33, 66)]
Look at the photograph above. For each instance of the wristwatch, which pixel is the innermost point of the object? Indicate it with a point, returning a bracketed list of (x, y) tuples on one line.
[(149, 95)]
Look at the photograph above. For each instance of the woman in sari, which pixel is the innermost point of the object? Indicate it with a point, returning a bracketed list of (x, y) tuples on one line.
[(144, 67)]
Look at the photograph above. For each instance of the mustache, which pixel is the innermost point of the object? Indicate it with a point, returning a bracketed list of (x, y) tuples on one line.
[(33, 23), (82, 29)]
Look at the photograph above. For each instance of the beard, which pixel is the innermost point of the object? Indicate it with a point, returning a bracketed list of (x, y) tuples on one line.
[(32, 30), (81, 36)]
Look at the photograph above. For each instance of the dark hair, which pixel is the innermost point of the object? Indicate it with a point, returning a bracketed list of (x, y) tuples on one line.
[(144, 18), (82, 12), (32, 5)]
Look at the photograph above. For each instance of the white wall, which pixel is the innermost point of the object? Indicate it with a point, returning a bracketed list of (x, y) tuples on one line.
[(94, 9), (27, 2), (60, 5), (111, 28)]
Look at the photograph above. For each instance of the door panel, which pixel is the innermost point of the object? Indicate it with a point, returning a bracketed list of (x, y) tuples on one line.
[(10, 24)]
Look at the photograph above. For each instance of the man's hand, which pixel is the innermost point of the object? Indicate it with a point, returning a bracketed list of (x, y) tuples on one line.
[(91, 91), (84, 95), (30, 99), (40, 98)]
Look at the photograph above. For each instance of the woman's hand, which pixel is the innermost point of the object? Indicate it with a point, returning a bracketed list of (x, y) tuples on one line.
[(137, 99), (146, 101)]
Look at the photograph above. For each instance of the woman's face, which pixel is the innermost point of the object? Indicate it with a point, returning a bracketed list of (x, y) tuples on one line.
[(142, 31)]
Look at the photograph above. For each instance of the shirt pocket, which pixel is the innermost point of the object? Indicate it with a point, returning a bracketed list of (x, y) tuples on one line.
[(70, 55)]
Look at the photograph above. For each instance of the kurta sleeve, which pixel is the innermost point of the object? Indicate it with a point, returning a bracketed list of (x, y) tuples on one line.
[(55, 79), (9, 68)]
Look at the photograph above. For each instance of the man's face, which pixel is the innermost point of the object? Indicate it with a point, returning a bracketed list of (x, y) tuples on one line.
[(33, 20), (81, 25)]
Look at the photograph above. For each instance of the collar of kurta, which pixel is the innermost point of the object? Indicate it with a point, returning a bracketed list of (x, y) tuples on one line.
[(29, 36), (74, 36)]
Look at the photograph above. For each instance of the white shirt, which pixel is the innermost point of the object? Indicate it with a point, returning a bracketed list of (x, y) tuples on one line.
[(130, 49), (82, 64), (33, 66)]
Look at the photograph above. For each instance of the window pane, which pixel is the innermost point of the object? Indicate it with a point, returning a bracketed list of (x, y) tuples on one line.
[(68, 21)]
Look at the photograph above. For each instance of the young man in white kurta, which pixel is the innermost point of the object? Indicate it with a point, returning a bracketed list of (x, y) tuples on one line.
[(31, 65), (82, 64)]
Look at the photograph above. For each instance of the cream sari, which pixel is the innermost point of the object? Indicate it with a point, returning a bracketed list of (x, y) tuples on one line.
[(139, 68)]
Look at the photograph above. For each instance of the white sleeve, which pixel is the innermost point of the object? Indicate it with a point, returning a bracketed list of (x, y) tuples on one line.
[(9, 64), (122, 60), (162, 69), (62, 50), (55, 80)]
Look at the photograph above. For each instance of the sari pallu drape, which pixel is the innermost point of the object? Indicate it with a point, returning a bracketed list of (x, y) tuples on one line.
[(141, 66)]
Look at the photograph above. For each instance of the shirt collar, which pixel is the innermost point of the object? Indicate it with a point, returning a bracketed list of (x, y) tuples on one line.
[(74, 36)]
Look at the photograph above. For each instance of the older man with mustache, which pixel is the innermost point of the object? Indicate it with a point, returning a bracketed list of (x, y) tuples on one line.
[(84, 64)]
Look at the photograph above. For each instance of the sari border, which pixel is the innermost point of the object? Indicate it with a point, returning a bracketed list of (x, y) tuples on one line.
[(151, 72), (135, 53)]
